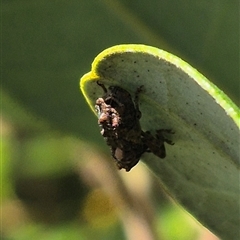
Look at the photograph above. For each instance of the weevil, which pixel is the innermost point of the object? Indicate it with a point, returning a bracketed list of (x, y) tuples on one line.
[(119, 120)]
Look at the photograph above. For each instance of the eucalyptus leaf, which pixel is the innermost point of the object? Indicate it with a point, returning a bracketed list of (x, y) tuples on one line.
[(201, 171)]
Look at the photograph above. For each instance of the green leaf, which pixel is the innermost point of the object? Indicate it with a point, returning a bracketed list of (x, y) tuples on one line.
[(201, 171)]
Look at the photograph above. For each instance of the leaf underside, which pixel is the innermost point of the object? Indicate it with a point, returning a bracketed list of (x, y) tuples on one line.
[(201, 171)]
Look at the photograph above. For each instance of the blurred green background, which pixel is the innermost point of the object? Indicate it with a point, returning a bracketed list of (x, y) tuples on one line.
[(58, 181)]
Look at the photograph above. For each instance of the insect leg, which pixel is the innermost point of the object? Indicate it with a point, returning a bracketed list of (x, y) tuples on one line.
[(102, 86), (136, 100)]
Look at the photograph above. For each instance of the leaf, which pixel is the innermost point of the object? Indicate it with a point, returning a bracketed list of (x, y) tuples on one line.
[(201, 171)]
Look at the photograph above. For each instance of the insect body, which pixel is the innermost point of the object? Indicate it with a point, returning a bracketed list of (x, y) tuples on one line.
[(118, 118)]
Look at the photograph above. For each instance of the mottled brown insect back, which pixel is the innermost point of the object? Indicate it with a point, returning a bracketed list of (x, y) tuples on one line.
[(118, 118)]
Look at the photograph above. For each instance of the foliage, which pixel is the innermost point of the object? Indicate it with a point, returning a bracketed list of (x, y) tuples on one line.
[(45, 47)]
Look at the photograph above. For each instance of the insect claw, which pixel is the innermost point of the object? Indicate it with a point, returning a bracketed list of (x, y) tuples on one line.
[(169, 141), (102, 86)]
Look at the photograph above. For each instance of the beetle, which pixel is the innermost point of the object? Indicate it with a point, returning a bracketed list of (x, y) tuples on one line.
[(119, 121)]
